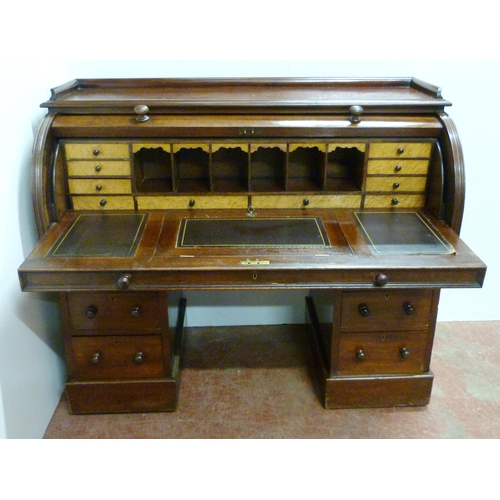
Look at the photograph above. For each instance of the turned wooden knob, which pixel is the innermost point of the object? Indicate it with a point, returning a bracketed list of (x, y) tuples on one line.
[(405, 353), (408, 308), (135, 312), (360, 354), (364, 310), (124, 281), (91, 312), (139, 357), (95, 358)]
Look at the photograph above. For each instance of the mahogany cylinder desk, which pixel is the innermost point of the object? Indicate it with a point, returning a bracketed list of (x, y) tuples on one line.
[(349, 189)]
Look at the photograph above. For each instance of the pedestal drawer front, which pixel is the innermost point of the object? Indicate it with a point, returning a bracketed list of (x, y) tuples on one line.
[(384, 353), (98, 358), (120, 311), (394, 310)]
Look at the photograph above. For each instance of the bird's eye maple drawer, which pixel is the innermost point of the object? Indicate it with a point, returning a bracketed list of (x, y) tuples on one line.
[(98, 150), (98, 168), (120, 357), (392, 310), (400, 149), (383, 352), (138, 312)]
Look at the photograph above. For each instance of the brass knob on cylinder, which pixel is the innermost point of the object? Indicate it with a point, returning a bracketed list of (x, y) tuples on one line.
[(405, 353), (381, 279), (139, 357), (356, 112), (360, 354), (91, 312), (135, 312), (95, 358), (124, 281), (141, 111), (364, 310)]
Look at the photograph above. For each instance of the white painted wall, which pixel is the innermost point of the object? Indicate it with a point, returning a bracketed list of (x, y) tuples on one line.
[(31, 364)]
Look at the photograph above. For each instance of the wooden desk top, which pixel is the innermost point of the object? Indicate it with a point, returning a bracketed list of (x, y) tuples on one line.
[(155, 261)]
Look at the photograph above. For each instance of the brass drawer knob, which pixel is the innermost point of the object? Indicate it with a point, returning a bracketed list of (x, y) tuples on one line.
[(102, 203), (395, 185), (97, 168), (405, 353), (360, 354), (192, 203), (95, 152), (394, 201), (401, 151), (98, 187), (398, 168), (91, 312), (141, 111), (135, 312), (139, 357), (356, 112), (95, 358), (305, 202), (408, 308), (364, 310), (124, 281)]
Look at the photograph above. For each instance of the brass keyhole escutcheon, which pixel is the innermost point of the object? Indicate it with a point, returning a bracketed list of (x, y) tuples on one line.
[(254, 276)]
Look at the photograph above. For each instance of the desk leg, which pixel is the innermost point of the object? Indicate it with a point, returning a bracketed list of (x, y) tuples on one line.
[(123, 394), (361, 391)]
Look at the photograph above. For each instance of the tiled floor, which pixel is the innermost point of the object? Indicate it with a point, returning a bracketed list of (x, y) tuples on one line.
[(257, 382)]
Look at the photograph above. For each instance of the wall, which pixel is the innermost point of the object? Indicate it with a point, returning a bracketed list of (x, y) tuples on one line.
[(31, 363)]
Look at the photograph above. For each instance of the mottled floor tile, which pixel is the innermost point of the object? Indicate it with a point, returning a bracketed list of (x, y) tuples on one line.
[(257, 383)]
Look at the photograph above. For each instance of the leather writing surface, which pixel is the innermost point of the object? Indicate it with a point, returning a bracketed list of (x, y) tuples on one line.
[(248, 232), (401, 233), (101, 235)]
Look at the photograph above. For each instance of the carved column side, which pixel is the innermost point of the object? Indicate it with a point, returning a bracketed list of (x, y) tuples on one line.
[(41, 176), (454, 186)]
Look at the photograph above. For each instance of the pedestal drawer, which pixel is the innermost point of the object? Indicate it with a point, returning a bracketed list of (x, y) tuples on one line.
[(99, 358), (394, 310), (110, 311), (383, 353)]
